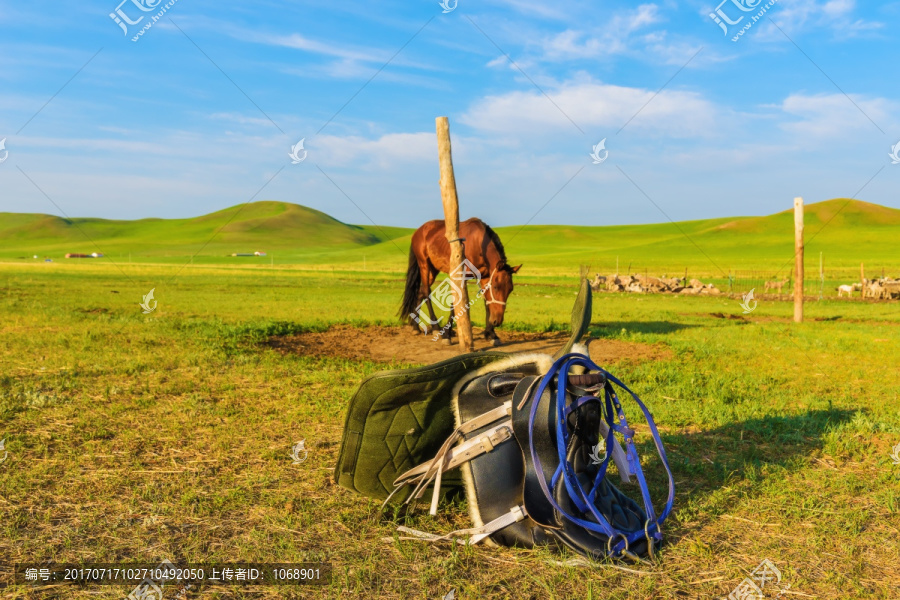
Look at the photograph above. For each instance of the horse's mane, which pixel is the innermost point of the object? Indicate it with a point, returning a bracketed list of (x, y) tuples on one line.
[(492, 235)]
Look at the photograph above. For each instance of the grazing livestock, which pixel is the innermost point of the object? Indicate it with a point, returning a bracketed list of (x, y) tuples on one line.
[(776, 285), (875, 290), (614, 284), (635, 288), (891, 288), (844, 289)]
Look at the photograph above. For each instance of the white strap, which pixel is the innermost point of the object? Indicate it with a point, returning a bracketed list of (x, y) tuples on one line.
[(618, 455), (473, 535), (483, 444), (448, 456), (478, 422), (490, 290), (465, 452)]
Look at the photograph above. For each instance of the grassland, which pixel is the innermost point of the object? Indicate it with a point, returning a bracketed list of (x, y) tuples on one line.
[(846, 233), (137, 437)]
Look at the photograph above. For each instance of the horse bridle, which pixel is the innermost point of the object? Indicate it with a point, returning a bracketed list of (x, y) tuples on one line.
[(462, 242), (490, 289)]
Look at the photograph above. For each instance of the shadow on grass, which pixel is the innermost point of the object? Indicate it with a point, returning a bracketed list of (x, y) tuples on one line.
[(603, 329), (705, 461)]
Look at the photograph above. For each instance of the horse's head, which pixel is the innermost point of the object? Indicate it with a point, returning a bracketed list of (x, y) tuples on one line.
[(496, 289)]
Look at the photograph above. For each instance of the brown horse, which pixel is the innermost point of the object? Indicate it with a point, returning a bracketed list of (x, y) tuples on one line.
[(429, 254)]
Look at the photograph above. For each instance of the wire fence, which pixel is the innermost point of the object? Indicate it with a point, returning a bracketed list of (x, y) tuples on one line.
[(823, 284)]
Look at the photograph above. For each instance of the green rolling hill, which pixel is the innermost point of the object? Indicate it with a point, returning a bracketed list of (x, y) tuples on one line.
[(847, 232), (268, 226)]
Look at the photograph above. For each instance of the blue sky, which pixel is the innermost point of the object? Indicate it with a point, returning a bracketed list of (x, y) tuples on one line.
[(201, 111)]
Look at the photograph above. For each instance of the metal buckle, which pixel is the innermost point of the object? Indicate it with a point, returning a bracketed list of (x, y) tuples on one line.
[(650, 542), (609, 544)]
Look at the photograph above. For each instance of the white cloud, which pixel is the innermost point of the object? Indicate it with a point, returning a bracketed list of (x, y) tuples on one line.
[(636, 33), (299, 42), (646, 14), (612, 38), (353, 70), (385, 151), (800, 15), (536, 8), (351, 61), (240, 119), (597, 106), (834, 115)]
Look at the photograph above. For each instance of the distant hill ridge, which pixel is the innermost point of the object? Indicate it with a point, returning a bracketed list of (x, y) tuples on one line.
[(267, 224), (840, 212), (844, 230)]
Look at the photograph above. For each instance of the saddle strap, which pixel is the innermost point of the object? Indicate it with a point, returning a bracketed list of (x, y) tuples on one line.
[(472, 535), (450, 456), (466, 451)]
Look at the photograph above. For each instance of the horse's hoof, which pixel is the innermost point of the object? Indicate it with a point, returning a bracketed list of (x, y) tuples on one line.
[(497, 342), (446, 342)]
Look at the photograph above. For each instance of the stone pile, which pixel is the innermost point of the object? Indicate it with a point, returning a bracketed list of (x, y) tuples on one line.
[(640, 284)]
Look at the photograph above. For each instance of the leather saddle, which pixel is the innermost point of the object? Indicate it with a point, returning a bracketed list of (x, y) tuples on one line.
[(528, 440)]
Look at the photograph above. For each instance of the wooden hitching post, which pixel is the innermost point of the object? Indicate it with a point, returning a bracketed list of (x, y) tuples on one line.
[(451, 223), (798, 257)]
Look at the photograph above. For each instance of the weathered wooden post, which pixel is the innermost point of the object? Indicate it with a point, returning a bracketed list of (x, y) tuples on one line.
[(451, 225), (821, 277), (862, 280), (798, 257)]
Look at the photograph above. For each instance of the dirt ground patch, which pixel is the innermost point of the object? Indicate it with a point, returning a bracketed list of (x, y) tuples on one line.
[(401, 344)]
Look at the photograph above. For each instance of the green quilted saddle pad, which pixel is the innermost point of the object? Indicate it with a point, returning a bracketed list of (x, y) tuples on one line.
[(399, 419)]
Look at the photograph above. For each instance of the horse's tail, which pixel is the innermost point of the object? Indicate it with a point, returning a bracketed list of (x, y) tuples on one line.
[(413, 286)]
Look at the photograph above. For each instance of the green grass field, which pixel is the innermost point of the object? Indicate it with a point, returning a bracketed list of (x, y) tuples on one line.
[(134, 437)]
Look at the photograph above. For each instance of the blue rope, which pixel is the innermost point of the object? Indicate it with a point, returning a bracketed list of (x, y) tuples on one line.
[(585, 502)]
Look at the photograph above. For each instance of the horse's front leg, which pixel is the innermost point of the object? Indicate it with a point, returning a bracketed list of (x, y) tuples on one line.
[(488, 326), (434, 319), (489, 333), (447, 331)]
